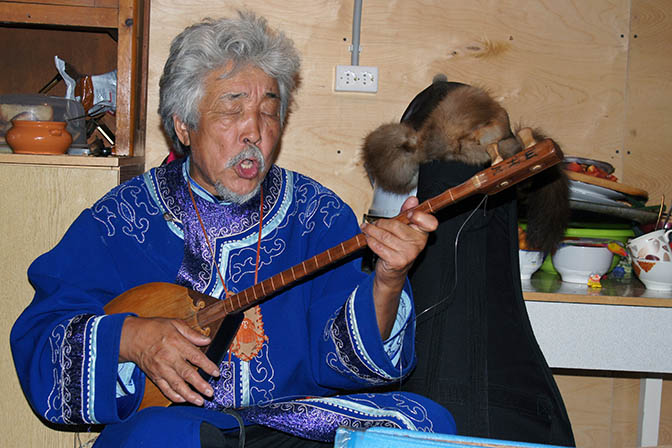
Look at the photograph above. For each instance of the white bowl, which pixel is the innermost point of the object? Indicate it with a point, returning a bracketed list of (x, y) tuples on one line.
[(530, 262), (576, 264), (655, 274)]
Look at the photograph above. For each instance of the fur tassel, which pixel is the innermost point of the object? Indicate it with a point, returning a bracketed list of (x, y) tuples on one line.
[(544, 200), (460, 128), (391, 157)]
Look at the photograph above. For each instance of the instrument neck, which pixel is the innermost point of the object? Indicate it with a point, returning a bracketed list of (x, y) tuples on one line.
[(257, 293)]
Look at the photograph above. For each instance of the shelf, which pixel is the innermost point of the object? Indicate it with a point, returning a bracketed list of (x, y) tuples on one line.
[(64, 15), (548, 287), (128, 22), (72, 161)]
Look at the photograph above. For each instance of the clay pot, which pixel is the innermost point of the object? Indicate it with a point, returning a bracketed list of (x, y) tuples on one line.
[(38, 137)]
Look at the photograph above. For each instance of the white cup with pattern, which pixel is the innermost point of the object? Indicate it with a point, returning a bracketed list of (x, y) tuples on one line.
[(653, 245)]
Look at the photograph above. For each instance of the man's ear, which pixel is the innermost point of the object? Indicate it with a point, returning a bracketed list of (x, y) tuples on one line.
[(182, 131)]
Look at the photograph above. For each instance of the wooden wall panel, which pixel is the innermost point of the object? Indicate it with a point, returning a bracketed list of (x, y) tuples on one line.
[(624, 412), (665, 430), (561, 65), (594, 75), (44, 201), (603, 408), (588, 401), (648, 121)]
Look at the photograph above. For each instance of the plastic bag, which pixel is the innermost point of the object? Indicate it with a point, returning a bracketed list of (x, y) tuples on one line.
[(97, 93)]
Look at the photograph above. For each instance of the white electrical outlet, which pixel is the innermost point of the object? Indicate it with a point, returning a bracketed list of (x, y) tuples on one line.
[(356, 78)]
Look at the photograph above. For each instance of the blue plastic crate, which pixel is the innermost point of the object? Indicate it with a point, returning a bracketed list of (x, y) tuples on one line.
[(401, 438)]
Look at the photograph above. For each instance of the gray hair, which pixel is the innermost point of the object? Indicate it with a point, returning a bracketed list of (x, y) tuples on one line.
[(211, 45)]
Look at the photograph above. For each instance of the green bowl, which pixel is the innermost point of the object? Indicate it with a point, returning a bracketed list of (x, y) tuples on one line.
[(613, 232)]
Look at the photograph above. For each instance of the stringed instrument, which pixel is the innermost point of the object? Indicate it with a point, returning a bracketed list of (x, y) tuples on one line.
[(221, 318)]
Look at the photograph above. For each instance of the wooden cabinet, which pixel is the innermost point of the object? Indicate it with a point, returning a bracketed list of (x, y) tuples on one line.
[(39, 202), (43, 194), (100, 35)]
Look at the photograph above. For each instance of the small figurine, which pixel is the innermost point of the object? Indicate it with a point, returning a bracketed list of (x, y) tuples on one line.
[(594, 281), (627, 267), (617, 272)]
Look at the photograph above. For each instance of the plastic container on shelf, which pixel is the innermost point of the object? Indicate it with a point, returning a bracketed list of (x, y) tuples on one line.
[(37, 107)]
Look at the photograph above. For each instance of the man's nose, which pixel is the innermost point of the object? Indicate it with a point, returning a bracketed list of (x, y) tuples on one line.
[(251, 132)]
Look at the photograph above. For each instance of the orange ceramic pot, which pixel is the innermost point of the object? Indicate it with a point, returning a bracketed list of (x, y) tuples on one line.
[(38, 137)]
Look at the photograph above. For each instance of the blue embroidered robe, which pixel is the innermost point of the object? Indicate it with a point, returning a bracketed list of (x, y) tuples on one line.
[(318, 338)]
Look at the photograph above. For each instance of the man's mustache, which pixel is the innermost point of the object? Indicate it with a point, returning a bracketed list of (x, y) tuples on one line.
[(251, 151)]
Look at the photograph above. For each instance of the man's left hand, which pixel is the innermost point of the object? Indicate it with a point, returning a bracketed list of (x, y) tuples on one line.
[(397, 245)]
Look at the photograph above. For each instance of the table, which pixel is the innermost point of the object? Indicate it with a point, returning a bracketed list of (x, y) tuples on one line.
[(619, 327)]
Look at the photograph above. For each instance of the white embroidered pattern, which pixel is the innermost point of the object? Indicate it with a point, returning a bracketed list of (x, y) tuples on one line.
[(54, 410), (73, 355), (126, 207)]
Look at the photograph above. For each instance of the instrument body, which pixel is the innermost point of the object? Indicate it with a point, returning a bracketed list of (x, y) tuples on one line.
[(161, 299), (220, 319)]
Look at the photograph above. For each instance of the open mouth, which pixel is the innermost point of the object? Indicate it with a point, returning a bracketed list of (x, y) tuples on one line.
[(248, 168), (248, 163)]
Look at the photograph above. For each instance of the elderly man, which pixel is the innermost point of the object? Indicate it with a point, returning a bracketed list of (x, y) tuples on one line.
[(217, 221)]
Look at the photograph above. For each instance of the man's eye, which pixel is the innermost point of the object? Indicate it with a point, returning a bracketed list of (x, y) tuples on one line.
[(227, 108), (271, 112)]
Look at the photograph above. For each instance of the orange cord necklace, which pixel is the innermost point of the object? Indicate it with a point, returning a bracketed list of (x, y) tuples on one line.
[(212, 252)]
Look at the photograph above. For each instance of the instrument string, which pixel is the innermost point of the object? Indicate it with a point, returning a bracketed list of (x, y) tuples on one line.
[(482, 203), (212, 252)]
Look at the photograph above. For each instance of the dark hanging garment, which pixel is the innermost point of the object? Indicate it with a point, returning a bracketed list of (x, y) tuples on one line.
[(477, 354)]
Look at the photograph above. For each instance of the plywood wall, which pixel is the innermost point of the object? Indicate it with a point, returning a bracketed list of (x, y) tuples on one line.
[(594, 75), (648, 121)]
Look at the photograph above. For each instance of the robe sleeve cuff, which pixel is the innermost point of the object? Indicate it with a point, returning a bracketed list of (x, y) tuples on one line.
[(89, 367), (111, 377), (358, 343)]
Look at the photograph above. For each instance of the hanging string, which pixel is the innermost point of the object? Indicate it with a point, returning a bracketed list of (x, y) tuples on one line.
[(482, 203), (261, 220), (457, 240)]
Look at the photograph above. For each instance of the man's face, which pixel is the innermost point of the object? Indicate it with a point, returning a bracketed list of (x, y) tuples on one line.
[(236, 114)]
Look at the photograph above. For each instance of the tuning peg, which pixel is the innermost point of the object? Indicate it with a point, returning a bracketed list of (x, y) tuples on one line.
[(526, 137), (493, 152)]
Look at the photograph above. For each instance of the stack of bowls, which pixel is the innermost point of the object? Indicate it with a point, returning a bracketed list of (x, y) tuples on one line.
[(607, 232), (656, 275)]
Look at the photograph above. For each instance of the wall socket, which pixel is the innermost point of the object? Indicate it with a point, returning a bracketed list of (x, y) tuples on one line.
[(356, 78)]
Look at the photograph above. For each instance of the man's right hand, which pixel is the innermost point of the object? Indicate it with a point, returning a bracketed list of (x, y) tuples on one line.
[(166, 350)]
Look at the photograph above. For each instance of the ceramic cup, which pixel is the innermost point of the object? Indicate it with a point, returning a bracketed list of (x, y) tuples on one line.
[(653, 244)]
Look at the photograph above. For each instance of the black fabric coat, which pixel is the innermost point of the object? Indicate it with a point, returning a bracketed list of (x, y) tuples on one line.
[(477, 354)]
